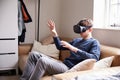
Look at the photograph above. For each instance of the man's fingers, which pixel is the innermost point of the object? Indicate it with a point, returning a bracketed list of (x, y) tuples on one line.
[(51, 23)]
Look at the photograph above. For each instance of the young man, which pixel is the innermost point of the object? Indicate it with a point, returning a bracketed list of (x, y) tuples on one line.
[(80, 49)]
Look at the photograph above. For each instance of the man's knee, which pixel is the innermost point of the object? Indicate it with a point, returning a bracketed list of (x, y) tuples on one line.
[(44, 61), (34, 55)]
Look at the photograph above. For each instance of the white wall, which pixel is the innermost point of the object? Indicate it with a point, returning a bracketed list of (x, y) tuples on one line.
[(107, 36), (72, 12), (49, 9)]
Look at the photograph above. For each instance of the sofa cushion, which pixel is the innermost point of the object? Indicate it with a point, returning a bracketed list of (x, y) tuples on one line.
[(46, 78), (49, 49), (104, 63), (84, 65), (112, 74), (93, 73)]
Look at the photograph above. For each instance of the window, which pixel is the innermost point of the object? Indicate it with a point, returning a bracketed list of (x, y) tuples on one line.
[(107, 13), (114, 13)]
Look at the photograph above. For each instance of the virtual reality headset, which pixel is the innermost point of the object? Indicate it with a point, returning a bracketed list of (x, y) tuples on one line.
[(80, 29)]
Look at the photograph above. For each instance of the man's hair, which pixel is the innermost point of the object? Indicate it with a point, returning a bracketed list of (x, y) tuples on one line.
[(86, 22)]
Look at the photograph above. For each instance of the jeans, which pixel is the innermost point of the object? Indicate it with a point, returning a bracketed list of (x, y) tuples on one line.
[(38, 63)]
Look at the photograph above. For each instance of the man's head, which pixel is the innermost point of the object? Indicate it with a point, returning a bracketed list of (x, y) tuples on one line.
[(82, 26)]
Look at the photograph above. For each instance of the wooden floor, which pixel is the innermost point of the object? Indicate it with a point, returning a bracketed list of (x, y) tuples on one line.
[(10, 77)]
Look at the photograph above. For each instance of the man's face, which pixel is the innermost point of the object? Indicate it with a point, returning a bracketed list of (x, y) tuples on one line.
[(86, 33)]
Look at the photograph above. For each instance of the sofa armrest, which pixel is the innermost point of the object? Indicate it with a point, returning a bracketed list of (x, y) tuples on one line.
[(24, 49), (107, 51), (22, 61)]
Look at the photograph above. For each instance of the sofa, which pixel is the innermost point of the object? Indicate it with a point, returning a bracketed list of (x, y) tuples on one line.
[(106, 51)]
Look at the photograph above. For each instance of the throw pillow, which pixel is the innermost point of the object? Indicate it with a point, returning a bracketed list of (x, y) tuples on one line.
[(49, 49), (104, 63), (84, 65), (47, 40)]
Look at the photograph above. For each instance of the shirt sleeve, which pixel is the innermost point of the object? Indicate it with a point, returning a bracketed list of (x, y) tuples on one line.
[(94, 52), (58, 44)]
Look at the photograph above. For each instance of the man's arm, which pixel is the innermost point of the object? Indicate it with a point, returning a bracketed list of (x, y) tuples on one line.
[(94, 52), (59, 44), (57, 41)]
